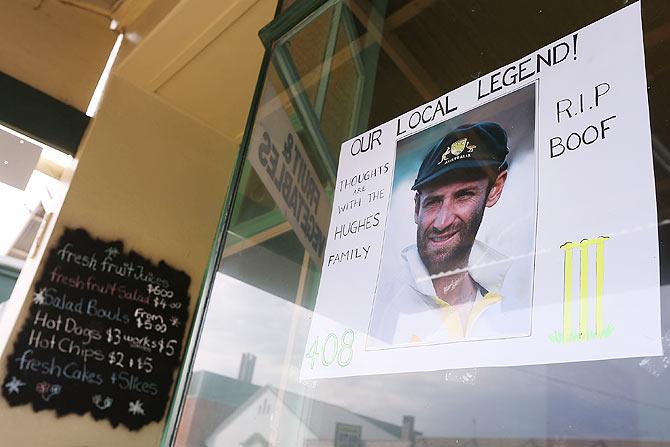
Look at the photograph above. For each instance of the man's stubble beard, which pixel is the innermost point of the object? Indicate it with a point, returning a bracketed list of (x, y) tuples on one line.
[(456, 255)]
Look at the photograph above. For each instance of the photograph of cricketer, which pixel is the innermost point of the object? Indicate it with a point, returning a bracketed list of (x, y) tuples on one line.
[(458, 255)]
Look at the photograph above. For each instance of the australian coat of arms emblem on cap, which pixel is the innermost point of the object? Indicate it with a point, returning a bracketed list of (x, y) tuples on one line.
[(456, 148)]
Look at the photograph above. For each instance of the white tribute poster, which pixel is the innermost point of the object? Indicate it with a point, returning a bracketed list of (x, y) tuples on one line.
[(511, 221)]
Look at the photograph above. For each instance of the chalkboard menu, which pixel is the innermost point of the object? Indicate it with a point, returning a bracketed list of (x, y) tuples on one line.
[(104, 334)]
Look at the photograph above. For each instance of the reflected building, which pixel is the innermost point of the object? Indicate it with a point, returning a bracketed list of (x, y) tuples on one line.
[(222, 411)]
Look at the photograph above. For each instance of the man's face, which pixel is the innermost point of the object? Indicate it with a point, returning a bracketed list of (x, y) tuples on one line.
[(448, 215)]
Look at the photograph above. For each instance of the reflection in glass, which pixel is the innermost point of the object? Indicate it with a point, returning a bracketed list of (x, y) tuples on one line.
[(30, 190), (348, 67)]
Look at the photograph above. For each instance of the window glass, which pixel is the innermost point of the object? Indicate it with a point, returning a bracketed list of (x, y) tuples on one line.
[(348, 67)]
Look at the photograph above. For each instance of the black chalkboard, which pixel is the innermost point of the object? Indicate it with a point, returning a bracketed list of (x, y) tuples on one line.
[(104, 334)]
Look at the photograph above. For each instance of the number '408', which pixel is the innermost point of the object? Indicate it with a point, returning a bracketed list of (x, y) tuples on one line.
[(332, 349)]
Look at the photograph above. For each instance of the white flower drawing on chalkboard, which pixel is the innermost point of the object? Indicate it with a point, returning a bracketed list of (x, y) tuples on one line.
[(136, 408), (38, 297), (13, 386)]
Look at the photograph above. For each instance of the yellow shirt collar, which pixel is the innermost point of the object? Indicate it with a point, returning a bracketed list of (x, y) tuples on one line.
[(452, 320)]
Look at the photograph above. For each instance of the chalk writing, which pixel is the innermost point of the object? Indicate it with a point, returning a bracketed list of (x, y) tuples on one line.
[(104, 327), (100, 403)]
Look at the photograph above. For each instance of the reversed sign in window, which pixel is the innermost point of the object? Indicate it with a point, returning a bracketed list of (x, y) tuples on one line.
[(281, 162)]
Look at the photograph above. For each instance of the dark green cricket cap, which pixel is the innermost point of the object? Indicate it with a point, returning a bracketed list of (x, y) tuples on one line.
[(470, 146)]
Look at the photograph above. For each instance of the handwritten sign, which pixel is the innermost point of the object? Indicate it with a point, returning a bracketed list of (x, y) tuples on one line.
[(511, 221), (103, 335)]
